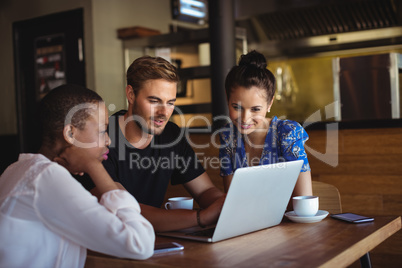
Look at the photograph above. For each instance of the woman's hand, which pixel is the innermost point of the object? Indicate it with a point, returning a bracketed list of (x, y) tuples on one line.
[(79, 160)]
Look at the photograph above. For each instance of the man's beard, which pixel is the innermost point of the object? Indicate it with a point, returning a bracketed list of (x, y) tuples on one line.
[(142, 122), (150, 131)]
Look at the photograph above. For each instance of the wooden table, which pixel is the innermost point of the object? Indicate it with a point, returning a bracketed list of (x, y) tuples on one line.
[(329, 243)]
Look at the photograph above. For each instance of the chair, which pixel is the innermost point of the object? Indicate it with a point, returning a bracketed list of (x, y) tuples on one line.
[(329, 197), (330, 200)]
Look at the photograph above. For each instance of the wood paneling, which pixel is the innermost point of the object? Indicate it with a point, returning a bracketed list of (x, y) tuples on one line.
[(368, 177), (377, 184)]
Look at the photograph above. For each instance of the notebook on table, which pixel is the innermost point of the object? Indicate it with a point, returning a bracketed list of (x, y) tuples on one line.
[(257, 199)]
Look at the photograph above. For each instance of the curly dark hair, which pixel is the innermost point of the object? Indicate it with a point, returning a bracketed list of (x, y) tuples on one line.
[(56, 105), (251, 71), (150, 68)]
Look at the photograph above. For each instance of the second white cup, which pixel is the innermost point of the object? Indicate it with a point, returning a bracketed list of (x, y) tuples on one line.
[(179, 203), (305, 206)]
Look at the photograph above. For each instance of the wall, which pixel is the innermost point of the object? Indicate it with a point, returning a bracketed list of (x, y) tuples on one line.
[(108, 16), (312, 83), (17, 10), (103, 50)]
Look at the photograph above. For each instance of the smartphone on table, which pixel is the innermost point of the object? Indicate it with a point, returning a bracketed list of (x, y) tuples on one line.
[(167, 247), (351, 217)]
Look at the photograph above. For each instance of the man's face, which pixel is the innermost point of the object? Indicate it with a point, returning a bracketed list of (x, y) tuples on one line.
[(153, 105)]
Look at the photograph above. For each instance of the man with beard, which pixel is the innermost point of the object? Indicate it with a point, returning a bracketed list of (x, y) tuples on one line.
[(148, 151)]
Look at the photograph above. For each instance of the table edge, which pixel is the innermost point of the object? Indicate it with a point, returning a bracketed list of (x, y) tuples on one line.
[(365, 245)]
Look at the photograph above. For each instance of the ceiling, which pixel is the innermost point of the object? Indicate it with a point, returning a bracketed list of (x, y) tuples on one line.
[(295, 26)]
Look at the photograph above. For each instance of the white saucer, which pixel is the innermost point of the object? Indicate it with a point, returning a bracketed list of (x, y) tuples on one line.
[(321, 214)]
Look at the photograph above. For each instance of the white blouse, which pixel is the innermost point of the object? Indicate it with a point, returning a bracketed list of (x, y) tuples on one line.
[(47, 219)]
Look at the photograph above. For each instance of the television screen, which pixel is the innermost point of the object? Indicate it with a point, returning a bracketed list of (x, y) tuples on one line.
[(194, 11)]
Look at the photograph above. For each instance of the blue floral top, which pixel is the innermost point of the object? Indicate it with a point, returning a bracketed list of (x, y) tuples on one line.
[(284, 142)]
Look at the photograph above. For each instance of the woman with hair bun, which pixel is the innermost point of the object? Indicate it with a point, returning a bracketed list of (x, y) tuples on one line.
[(251, 138)]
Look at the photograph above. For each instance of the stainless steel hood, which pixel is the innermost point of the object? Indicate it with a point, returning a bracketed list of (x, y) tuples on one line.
[(295, 27)]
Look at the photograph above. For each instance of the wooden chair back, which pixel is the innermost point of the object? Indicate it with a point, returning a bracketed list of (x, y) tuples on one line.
[(329, 197)]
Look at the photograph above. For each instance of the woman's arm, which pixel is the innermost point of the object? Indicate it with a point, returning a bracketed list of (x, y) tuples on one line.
[(303, 187), (227, 180), (303, 184), (112, 226)]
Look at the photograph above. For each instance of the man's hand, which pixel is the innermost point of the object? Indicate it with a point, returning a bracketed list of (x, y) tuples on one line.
[(210, 215)]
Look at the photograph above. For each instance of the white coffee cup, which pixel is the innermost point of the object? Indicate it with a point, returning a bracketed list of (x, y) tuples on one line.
[(305, 206), (179, 203)]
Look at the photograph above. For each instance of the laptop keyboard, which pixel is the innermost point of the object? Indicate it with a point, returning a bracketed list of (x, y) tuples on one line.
[(206, 232)]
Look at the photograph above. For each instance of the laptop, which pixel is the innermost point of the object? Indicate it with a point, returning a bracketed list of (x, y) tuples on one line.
[(257, 199)]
